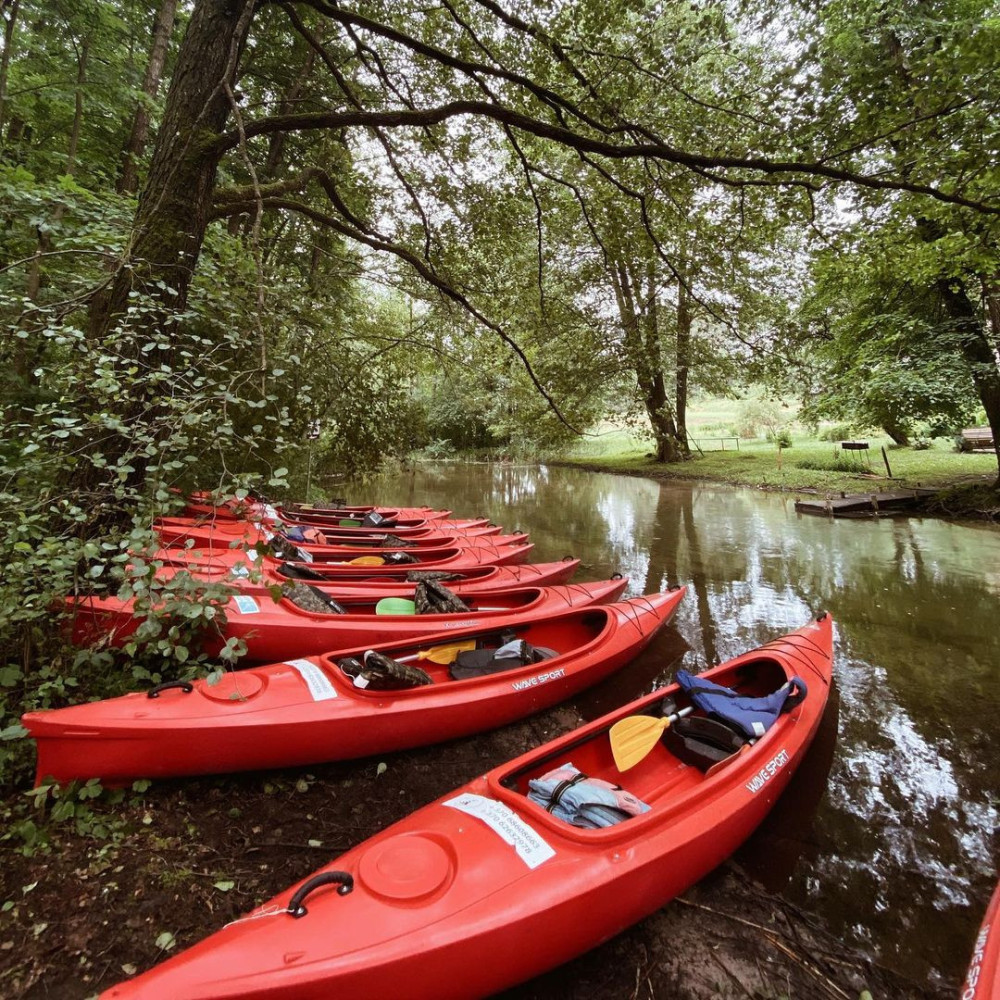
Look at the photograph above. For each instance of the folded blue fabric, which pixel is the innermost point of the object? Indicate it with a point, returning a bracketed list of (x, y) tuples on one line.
[(753, 716)]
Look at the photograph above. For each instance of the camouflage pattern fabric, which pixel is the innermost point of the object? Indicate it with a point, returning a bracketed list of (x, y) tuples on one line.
[(419, 575), (312, 599), (433, 598), (381, 673), (399, 558)]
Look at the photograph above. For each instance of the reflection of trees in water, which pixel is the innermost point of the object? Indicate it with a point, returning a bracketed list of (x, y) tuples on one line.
[(674, 527), (905, 833)]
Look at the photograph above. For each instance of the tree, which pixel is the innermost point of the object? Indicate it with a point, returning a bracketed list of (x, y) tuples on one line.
[(911, 87)]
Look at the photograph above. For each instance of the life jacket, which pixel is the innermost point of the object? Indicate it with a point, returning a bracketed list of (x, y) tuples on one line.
[(382, 673), (310, 598), (752, 716), (433, 598)]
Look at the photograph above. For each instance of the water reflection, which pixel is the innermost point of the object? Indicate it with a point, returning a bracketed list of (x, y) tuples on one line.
[(898, 848)]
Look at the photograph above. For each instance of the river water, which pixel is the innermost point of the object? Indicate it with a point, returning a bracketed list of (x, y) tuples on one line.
[(888, 832)]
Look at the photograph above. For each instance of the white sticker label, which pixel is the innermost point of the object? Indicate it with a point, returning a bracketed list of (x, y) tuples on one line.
[(318, 683), (530, 682), (530, 847), (768, 771), (246, 605)]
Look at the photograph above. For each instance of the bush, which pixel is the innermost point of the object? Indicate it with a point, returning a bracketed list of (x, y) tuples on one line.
[(839, 432), (832, 465), (783, 439)]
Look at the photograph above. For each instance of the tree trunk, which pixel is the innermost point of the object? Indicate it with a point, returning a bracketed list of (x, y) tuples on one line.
[(167, 231), (896, 433), (643, 354), (683, 363), (8, 38), (81, 79), (163, 26), (172, 214), (978, 352)]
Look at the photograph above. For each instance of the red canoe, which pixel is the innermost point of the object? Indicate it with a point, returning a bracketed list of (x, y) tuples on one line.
[(485, 888), (280, 630), (982, 981), (254, 574), (309, 710)]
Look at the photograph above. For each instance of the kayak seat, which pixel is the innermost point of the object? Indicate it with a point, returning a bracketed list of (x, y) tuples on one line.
[(702, 742), (491, 660)]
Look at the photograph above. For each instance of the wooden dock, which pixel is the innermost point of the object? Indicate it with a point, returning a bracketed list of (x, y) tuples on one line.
[(887, 504)]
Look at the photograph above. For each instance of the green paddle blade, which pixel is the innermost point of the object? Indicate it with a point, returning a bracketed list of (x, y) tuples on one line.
[(348, 522), (634, 737), (395, 606)]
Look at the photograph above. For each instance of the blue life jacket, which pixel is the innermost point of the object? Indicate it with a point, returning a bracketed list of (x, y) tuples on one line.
[(752, 716)]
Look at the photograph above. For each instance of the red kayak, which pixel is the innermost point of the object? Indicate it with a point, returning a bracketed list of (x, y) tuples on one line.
[(201, 505), (254, 574), (221, 534), (982, 981), (310, 710), (249, 510), (282, 630), (487, 887)]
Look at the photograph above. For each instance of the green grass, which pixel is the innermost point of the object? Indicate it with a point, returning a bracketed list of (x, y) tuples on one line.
[(809, 464)]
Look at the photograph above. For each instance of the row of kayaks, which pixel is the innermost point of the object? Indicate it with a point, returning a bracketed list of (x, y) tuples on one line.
[(511, 874)]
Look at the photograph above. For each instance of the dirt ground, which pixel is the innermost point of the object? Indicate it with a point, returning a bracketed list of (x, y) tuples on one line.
[(199, 853)]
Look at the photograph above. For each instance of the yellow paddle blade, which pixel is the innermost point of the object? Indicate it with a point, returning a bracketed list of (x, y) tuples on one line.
[(445, 654), (634, 737), (367, 561)]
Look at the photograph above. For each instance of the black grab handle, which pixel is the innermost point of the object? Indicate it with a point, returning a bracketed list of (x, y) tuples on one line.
[(186, 686), (346, 880)]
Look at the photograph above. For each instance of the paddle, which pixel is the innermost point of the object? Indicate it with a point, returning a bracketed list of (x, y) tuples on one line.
[(395, 606), (441, 654), (634, 737), (404, 606), (366, 561), (348, 522)]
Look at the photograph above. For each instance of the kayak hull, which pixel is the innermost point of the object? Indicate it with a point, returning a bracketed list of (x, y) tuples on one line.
[(483, 888), (307, 710), (274, 631), (982, 980), (222, 534), (253, 576)]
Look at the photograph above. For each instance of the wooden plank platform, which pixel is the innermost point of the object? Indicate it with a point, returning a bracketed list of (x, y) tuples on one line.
[(867, 504)]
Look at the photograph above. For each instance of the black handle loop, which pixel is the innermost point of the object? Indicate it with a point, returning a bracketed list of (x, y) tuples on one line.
[(346, 885), (154, 692), (617, 576), (568, 558)]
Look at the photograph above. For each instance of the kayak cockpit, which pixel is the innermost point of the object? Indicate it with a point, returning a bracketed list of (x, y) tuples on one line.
[(666, 778)]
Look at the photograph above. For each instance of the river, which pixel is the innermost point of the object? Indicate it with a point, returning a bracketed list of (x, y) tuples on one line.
[(888, 833)]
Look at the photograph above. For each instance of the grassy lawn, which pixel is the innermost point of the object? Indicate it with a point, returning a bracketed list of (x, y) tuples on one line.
[(809, 464)]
